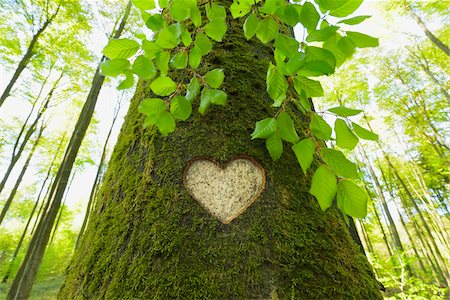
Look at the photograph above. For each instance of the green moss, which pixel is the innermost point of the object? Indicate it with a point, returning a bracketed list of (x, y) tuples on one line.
[(149, 239)]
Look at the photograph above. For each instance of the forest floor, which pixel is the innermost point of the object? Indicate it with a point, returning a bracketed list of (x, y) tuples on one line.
[(42, 290)]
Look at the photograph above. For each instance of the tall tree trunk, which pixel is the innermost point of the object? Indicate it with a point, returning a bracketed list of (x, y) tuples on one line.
[(61, 209), (22, 173), (25, 277), (148, 238), (26, 58), (423, 63), (427, 32), (97, 175), (18, 152), (393, 228), (441, 260)]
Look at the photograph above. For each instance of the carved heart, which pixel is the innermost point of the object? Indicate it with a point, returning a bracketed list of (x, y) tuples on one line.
[(225, 192)]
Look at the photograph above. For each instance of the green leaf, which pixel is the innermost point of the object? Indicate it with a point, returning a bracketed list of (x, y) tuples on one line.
[(163, 3), (163, 86), (362, 40), (267, 30), (214, 78), (114, 67), (240, 8), (152, 107), (180, 108), (121, 48), (291, 15), (274, 145), (364, 133), (351, 199), (215, 11), (318, 62), (309, 16), (193, 89), (264, 128), (286, 45), (320, 128), (304, 151), (203, 43), (323, 186), (216, 29), (196, 16), (354, 20), (251, 25), (195, 57), (286, 128), (295, 63), (144, 4), (144, 68), (128, 82), (322, 34), (155, 22), (270, 6), (180, 10), (165, 123), (166, 39), (311, 87), (186, 38), (150, 49), (211, 96), (277, 84), (180, 60), (162, 61), (343, 111), (346, 8), (337, 161), (344, 136), (346, 46)]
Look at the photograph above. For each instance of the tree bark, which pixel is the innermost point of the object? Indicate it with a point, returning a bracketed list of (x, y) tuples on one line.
[(26, 58), (26, 275), (148, 238)]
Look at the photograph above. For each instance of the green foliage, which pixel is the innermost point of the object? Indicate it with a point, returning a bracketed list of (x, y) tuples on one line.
[(323, 186), (287, 76)]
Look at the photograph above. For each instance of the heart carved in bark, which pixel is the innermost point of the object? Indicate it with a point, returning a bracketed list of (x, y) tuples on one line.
[(225, 192)]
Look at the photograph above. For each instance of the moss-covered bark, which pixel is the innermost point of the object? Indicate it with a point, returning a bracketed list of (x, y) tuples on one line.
[(149, 239)]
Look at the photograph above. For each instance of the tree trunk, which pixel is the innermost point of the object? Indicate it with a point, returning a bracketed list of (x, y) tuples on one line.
[(148, 238), (97, 175), (19, 179), (18, 152), (427, 32), (26, 58), (26, 275), (393, 228)]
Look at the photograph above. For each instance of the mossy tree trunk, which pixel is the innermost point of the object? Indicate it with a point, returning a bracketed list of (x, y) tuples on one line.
[(149, 239)]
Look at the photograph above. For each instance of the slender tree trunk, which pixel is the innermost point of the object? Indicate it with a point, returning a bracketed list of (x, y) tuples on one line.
[(433, 261), (441, 260), (24, 233), (423, 63), (26, 58), (18, 152), (97, 175), (22, 173), (155, 241), (61, 209), (25, 277), (393, 228), (427, 32)]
